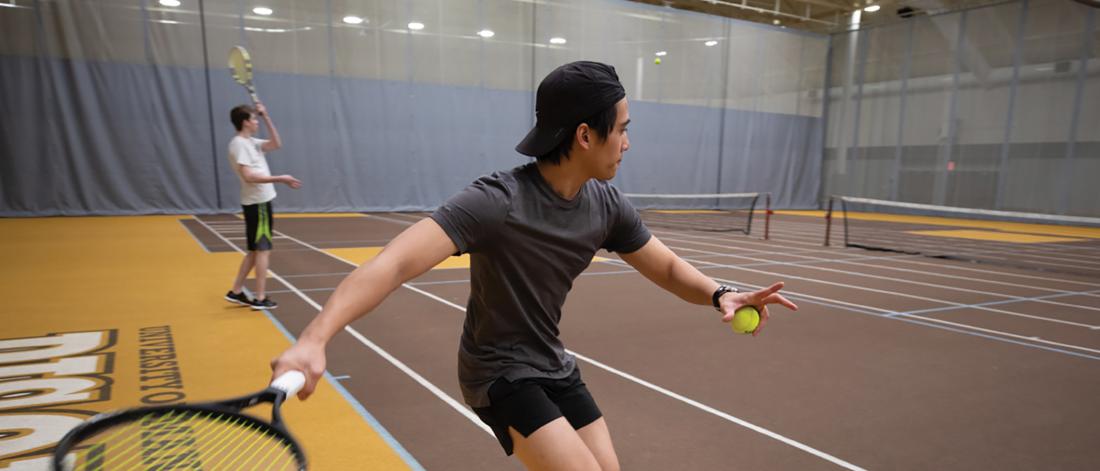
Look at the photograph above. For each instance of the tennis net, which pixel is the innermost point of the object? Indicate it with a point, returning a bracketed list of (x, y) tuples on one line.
[(716, 212), (1064, 244)]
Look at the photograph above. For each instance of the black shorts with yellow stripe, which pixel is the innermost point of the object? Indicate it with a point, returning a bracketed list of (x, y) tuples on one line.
[(258, 225)]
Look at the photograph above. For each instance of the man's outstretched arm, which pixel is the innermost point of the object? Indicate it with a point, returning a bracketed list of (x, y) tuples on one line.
[(660, 265), (411, 253)]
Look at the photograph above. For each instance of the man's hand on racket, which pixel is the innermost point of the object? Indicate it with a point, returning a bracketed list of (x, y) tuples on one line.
[(760, 299), (261, 109), (309, 358)]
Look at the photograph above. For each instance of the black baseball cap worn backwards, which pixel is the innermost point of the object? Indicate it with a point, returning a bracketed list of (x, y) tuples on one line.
[(567, 96)]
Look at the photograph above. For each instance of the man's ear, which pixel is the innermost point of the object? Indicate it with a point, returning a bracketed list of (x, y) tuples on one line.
[(583, 135)]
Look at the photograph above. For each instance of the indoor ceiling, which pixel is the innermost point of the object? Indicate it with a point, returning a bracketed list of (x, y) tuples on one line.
[(822, 16)]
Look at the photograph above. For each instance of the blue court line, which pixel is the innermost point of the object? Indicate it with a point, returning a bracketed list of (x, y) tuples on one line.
[(990, 303), (378, 428), (193, 237), (392, 442)]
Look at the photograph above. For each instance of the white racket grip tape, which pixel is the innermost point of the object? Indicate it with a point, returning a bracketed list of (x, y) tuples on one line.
[(290, 382)]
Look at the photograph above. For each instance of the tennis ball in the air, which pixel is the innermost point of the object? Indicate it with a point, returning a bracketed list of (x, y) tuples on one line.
[(657, 60), (745, 320)]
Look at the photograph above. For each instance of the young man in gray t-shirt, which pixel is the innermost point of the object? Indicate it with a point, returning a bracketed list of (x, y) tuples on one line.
[(530, 232)]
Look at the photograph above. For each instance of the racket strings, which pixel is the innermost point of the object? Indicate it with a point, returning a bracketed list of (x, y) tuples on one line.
[(127, 442), (185, 440)]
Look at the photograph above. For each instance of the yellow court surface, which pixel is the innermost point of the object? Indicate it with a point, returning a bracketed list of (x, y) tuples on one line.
[(113, 312), (998, 236)]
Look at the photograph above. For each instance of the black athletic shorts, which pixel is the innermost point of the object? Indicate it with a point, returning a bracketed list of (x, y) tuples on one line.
[(258, 224), (528, 404)]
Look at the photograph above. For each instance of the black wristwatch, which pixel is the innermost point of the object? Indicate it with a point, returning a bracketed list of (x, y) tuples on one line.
[(722, 289)]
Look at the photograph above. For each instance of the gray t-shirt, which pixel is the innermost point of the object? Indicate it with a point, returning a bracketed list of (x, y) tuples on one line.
[(527, 244)]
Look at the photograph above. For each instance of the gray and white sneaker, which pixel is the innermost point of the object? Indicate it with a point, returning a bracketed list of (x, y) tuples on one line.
[(265, 303), (238, 298)]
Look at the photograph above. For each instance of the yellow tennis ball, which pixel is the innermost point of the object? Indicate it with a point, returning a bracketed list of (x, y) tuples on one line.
[(657, 60), (745, 320)]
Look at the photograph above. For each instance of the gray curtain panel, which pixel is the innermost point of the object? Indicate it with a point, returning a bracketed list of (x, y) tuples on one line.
[(990, 108), (122, 106)]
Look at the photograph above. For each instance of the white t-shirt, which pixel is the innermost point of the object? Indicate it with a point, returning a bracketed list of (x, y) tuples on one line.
[(247, 151)]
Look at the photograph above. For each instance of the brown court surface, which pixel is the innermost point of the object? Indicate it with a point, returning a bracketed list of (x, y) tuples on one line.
[(893, 361)]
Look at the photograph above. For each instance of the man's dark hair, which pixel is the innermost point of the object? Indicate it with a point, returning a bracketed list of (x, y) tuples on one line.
[(601, 123), (239, 114)]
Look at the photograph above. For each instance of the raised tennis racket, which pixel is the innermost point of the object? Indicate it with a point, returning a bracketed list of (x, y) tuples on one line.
[(208, 436), (240, 64)]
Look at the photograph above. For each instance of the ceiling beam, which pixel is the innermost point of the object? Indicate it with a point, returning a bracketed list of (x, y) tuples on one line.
[(767, 11), (846, 6)]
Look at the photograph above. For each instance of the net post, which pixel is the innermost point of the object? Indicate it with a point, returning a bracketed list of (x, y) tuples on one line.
[(752, 209), (844, 210), (767, 214), (828, 220)]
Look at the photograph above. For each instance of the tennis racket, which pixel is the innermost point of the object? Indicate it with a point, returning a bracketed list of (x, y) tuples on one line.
[(240, 64), (208, 436)]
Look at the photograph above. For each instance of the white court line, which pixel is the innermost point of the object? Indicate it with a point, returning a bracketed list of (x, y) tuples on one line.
[(888, 313), (908, 259), (354, 333), (447, 399), (403, 222), (1041, 250), (398, 221), (311, 290), (385, 434), (815, 240), (693, 403), (891, 292), (904, 280), (848, 259), (310, 275), (817, 247), (686, 400), (898, 258), (711, 410), (991, 332), (1046, 255), (855, 261)]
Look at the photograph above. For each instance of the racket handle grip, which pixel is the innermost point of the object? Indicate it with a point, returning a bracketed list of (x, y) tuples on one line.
[(290, 382)]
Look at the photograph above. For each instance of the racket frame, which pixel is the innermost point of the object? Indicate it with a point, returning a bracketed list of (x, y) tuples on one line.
[(246, 79), (224, 410)]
